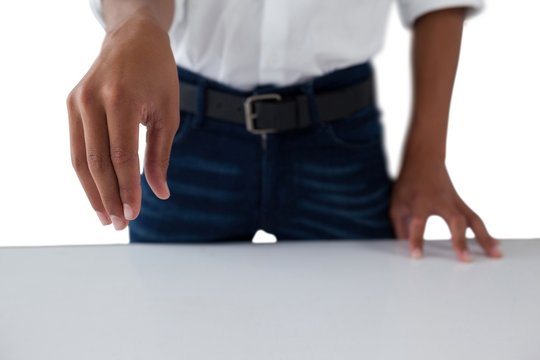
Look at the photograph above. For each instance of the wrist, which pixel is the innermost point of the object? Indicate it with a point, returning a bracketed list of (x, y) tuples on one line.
[(136, 27), (425, 150), (426, 139), (421, 170), (138, 16), (424, 153)]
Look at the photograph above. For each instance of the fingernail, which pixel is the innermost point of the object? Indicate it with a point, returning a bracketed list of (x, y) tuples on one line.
[(117, 222), (466, 256), (168, 191), (129, 214), (416, 253), (495, 251), (103, 218)]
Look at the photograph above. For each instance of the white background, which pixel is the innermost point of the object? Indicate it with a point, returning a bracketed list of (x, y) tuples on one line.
[(493, 145)]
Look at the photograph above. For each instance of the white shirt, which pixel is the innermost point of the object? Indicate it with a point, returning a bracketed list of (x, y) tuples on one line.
[(244, 43)]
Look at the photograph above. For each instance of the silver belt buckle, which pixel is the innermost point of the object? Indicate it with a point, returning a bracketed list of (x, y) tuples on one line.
[(251, 115)]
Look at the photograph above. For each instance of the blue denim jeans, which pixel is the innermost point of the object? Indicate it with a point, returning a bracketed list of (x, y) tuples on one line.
[(326, 181)]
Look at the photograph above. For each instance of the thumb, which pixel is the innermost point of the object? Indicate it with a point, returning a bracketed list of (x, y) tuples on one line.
[(159, 140)]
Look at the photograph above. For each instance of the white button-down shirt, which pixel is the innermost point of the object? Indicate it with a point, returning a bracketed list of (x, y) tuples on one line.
[(244, 43)]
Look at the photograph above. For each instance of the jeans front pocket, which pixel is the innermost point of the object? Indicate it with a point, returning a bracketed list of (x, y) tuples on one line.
[(363, 128), (185, 127)]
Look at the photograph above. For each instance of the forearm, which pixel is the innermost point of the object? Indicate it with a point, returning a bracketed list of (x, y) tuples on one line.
[(435, 54), (116, 12)]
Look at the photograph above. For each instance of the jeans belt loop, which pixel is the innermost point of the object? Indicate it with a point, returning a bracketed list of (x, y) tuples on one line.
[(309, 90), (201, 102)]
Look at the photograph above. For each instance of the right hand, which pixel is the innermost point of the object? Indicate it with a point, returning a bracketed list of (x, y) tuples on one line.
[(133, 80)]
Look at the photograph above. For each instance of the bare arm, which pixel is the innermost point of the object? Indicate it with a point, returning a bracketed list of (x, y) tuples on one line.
[(133, 81), (436, 46), (423, 187)]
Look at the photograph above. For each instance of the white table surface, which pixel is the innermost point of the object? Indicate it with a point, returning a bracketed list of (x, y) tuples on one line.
[(311, 300)]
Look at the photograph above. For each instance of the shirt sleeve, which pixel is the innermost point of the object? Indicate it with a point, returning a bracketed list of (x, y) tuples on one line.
[(410, 10), (95, 5), (97, 9)]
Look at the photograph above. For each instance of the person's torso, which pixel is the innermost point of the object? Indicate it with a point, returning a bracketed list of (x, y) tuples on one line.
[(247, 43)]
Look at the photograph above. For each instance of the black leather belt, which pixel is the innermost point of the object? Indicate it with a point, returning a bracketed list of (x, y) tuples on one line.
[(272, 112)]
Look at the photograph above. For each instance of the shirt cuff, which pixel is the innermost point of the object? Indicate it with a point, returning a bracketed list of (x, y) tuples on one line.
[(410, 10)]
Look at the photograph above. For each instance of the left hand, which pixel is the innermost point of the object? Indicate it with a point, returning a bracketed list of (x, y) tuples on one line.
[(422, 190)]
